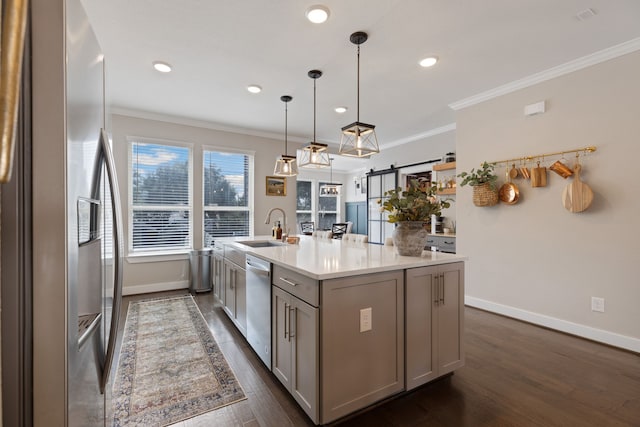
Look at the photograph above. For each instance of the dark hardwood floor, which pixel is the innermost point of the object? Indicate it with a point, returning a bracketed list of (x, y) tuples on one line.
[(516, 374)]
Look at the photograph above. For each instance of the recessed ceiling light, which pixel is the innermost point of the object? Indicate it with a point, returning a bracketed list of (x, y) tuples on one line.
[(429, 62), (317, 14), (163, 67), (254, 88), (340, 110)]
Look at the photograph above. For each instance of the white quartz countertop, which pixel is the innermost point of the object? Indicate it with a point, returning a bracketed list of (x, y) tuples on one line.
[(443, 234), (322, 259)]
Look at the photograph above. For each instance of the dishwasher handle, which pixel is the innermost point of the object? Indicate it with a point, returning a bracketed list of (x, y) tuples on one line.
[(257, 269)]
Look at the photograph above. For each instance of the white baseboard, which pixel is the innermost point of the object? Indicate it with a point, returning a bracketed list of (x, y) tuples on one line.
[(154, 287), (606, 337)]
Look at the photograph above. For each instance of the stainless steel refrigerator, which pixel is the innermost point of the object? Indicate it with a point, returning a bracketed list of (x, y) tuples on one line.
[(65, 269)]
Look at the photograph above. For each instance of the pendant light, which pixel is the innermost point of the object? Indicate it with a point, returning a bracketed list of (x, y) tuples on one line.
[(315, 154), (331, 188), (358, 139), (286, 165)]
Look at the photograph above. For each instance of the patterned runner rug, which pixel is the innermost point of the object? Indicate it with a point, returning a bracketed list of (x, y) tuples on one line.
[(170, 367)]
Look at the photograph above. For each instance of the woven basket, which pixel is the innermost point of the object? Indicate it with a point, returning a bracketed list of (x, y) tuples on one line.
[(484, 195)]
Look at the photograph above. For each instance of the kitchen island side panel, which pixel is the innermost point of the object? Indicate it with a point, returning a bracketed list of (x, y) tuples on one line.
[(361, 366)]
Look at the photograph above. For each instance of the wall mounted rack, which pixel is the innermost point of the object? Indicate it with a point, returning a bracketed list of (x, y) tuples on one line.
[(584, 150)]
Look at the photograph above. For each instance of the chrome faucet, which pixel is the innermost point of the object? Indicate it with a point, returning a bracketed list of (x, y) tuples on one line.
[(285, 231)]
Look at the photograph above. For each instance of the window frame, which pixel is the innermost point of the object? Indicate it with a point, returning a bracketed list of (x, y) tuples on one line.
[(131, 208)]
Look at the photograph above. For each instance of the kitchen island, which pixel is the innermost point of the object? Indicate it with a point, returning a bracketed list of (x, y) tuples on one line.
[(354, 323)]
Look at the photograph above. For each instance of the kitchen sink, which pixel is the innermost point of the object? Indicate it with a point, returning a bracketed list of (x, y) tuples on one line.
[(261, 243)]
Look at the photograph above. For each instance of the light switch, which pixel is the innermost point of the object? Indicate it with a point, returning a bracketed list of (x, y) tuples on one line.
[(597, 304), (365, 319)]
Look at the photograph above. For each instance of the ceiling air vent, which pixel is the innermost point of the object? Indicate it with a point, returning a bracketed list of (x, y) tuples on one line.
[(585, 14)]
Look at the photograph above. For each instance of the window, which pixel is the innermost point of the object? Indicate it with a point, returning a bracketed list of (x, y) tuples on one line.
[(327, 210), (161, 211), (227, 194), (304, 201), (322, 210)]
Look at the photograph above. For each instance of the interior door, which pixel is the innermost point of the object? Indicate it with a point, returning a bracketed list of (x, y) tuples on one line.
[(377, 184)]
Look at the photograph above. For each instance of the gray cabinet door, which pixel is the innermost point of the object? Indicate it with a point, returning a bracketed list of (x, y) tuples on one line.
[(240, 312), (450, 320), (434, 322), (235, 295), (295, 349), (229, 298), (305, 366), (419, 303), (280, 341), (218, 277)]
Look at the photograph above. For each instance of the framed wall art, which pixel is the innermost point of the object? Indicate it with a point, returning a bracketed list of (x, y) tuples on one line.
[(276, 186)]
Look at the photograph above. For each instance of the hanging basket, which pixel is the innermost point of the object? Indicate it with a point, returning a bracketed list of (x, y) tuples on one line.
[(484, 195)]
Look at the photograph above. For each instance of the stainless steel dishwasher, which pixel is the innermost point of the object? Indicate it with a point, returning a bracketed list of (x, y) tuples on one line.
[(259, 307)]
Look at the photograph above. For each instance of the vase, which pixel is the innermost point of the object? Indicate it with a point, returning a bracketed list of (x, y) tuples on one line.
[(410, 237)]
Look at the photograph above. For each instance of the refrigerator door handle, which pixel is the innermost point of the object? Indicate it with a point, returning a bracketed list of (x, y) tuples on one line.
[(105, 156)]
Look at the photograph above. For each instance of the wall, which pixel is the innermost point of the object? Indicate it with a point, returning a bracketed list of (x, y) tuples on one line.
[(535, 260), (149, 274)]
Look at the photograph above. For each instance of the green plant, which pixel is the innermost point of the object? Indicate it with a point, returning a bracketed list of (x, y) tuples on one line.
[(480, 176), (416, 203)]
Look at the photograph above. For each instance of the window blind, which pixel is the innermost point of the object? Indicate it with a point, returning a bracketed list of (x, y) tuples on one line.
[(227, 199), (160, 187)]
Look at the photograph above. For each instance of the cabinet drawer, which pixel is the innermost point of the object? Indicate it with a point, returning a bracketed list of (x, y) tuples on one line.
[(234, 255), (297, 284), (447, 244)]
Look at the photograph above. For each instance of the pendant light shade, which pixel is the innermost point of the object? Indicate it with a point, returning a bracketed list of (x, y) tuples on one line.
[(358, 139), (331, 188), (315, 154), (286, 165)]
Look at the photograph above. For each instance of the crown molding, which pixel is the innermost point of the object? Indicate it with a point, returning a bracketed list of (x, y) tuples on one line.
[(427, 134), (200, 123), (560, 70)]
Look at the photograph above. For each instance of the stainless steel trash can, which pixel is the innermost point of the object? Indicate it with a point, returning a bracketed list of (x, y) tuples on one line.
[(200, 266)]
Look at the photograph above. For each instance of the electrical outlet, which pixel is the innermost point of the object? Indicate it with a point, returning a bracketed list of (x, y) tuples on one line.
[(597, 304), (365, 319)]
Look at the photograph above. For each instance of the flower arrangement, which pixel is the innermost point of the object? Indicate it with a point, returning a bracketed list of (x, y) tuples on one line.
[(416, 203)]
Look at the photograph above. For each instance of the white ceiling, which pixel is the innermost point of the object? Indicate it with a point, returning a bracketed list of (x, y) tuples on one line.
[(218, 47)]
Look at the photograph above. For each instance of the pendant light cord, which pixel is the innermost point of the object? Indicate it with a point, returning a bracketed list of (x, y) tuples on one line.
[(286, 115), (331, 174), (314, 110), (358, 85)]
